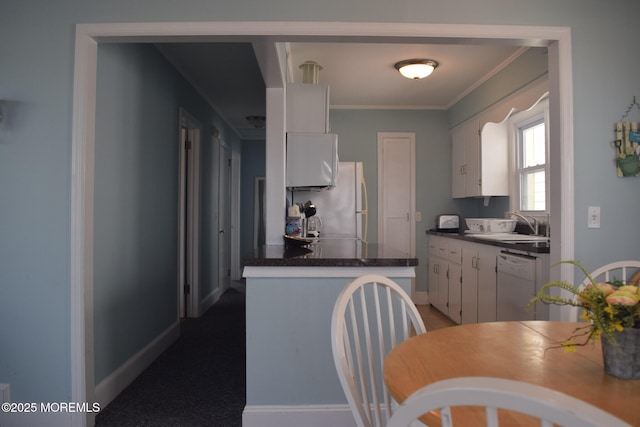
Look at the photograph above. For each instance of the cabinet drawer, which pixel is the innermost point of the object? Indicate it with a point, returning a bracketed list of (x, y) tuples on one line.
[(454, 254), (443, 249), (433, 247)]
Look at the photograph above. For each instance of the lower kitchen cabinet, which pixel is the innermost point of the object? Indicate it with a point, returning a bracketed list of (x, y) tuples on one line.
[(454, 257), (440, 273), (469, 302), (479, 283), (433, 278), (462, 279)]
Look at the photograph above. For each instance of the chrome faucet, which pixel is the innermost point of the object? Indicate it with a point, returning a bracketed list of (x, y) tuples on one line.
[(533, 227)]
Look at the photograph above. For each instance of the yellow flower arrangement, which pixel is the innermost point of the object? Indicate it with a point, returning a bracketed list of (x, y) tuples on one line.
[(607, 307)]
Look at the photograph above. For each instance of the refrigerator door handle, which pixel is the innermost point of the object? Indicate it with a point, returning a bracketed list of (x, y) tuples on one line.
[(365, 206)]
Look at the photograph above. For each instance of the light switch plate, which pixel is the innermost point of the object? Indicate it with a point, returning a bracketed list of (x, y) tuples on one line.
[(418, 216), (593, 220)]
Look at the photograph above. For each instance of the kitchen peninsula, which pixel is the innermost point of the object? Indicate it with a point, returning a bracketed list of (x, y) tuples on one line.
[(290, 298)]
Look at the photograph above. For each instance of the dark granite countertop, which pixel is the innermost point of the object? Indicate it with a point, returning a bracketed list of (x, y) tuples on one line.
[(330, 253), (537, 247)]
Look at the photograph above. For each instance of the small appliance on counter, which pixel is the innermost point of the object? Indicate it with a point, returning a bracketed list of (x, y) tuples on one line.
[(447, 224), (313, 226)]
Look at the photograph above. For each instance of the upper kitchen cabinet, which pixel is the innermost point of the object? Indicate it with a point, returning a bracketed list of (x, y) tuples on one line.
[(307, 108), (480, 145), (479, 159)]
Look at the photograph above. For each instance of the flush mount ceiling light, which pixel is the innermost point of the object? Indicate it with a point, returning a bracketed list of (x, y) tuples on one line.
[(416, 68)]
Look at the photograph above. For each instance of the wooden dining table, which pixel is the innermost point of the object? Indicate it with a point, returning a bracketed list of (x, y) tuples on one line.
[(524, 351)]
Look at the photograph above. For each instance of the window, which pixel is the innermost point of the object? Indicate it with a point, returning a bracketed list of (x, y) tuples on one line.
[(530, 132)]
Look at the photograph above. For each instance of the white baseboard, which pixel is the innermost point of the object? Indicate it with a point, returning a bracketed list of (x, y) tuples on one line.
[(112, 385), (295, 416), (209, 300), (421, 298)]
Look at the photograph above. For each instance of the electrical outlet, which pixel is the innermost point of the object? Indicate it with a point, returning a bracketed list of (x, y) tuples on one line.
[(593, 220), (4, 393), (418, 216)]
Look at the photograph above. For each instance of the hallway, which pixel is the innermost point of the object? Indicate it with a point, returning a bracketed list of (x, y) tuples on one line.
[(198, 381)]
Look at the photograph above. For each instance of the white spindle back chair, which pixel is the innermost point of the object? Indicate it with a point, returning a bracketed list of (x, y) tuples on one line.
[(549, 406), (626, 271), (371, 316)]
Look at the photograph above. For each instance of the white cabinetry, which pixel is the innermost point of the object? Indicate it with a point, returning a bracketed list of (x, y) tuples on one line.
[(479, 283), (454, 257), (469, 303), (479, 151), (439, 273), (307, 108), (465, 158), (462, 279), (479, 159), (434, 270)]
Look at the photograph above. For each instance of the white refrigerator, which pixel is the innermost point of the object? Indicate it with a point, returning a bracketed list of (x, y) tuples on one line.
[(343, 209)]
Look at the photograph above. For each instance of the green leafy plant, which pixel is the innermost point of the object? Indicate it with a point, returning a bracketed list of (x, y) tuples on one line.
[(607, 307)]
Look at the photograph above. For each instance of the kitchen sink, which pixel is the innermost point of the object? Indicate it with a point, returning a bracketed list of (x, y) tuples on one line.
[(510, 237)]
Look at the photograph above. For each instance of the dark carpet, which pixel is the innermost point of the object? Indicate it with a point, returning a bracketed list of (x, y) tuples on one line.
[(198, 381)]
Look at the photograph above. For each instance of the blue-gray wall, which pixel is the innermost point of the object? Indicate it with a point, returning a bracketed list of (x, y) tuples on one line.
[(136, 170), (36, 90)]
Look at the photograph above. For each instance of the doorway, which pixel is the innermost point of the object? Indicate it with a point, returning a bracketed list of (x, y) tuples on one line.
[(189, 215), (83, 130), (396, 190)]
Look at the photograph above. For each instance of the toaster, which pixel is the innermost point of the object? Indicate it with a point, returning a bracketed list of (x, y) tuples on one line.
[(448, 222)]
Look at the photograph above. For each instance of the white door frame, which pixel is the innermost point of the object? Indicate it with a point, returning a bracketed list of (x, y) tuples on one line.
[(381, 177), (83, 133), (236, 183), (258, 214), (189, 217), (224, 204)]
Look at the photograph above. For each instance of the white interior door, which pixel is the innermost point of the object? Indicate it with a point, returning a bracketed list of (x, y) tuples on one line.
[(189, 218), (224, 218), (396, 190)]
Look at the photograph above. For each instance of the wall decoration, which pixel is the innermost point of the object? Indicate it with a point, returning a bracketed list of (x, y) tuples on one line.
[(627, 145)]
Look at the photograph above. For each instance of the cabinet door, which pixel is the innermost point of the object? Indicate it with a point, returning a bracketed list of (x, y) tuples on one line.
[(472, 158), (457, 162), (494, 166), (443, 286), (433, 281), (454, 256), (432, 277), (469, 304), (479, 160), (487, 278), (307, 108), (455, 292)]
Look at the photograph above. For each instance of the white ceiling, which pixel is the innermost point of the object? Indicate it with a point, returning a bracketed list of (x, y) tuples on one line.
[(359, 75)]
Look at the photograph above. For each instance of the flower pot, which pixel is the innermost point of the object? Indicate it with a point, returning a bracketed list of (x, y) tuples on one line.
[(624, 362), (628, 165)]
